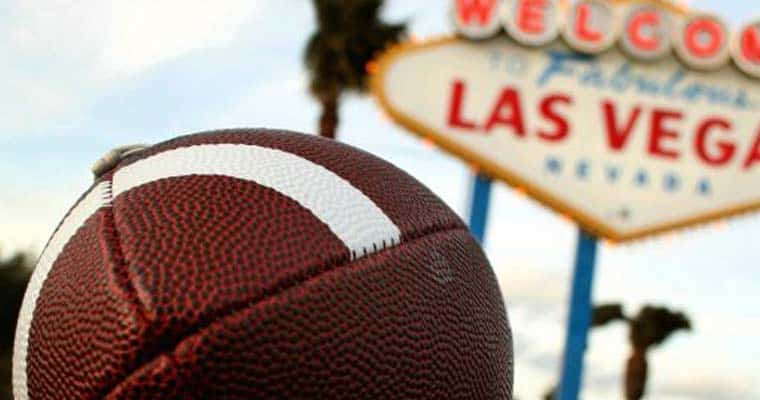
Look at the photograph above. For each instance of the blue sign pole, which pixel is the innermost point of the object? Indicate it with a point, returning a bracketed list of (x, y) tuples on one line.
[(479, 203), (579, 317)]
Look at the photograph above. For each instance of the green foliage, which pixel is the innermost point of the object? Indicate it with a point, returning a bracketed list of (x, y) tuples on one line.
[(653, 325), (348, 36), (14, 275), (650, 328), (606, 313)]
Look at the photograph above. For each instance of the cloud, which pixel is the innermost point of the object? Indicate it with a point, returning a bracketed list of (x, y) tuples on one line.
[(141, 33), (709, 386), (29, 217), (66, 54), (137, 61), (280, 101), (125, 37)]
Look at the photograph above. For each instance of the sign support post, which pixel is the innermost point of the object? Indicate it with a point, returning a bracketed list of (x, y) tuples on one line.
[(579, 317), (479, 203)]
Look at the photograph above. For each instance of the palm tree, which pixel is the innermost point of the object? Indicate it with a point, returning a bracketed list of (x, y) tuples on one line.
[(14, 274), (349, 35), (649, 329)]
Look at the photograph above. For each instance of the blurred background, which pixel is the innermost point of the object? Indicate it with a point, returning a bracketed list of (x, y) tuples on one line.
[(80, 78)]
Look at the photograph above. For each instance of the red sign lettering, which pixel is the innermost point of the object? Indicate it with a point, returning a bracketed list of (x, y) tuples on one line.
[(480, 10), (617, 137), (660, 133), (548, 111), (726, 149)]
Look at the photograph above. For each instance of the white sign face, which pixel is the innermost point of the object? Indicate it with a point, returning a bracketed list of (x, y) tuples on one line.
[(627, 149)]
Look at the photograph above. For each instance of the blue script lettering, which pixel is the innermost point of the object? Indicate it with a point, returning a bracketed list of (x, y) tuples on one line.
[(588, 72)]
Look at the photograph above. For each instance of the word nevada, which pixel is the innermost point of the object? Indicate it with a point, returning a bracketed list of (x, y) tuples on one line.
[(646, 31)]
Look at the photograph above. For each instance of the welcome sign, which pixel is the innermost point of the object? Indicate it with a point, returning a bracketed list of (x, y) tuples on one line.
[(626, 147)]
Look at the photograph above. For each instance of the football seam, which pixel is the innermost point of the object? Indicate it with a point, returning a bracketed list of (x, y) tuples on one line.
[(120, 263), (245, 306)]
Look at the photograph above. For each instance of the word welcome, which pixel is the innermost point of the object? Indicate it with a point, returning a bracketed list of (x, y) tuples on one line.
[(645, 31)]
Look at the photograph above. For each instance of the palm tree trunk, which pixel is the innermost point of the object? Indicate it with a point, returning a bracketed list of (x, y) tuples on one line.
[(328, 121), (636, 375)]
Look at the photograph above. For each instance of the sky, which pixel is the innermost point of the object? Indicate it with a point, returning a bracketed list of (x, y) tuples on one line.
[(80, 78)]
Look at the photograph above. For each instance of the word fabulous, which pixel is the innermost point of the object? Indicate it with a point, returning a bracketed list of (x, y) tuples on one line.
[(644, 30)]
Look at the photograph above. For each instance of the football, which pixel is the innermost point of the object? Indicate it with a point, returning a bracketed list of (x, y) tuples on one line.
[(260, 264)]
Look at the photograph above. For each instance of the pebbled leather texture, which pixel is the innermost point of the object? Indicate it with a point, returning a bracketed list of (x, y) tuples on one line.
[(213, 287)]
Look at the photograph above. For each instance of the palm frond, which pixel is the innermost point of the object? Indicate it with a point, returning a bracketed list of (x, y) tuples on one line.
[(607, 313), (653, 325), (349, 35)]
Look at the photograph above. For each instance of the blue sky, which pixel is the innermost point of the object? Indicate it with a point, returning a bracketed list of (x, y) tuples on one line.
[(83, 77)]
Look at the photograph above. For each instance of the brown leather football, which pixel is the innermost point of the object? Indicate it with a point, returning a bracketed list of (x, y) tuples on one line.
[(258, 264)]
